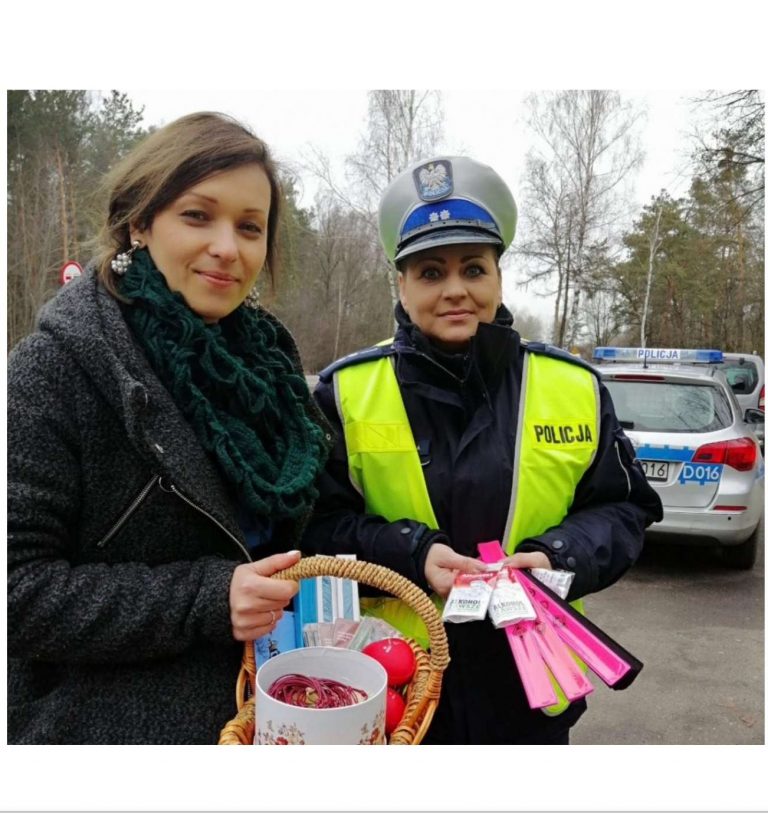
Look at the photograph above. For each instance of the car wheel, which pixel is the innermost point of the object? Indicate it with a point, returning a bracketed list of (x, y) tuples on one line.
[(742, 555)]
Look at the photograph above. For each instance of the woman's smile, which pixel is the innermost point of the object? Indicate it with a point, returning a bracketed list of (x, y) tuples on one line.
[(218, 279), (456, 316)]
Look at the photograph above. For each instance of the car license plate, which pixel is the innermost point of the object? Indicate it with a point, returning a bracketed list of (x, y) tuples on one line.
[(656, 470)]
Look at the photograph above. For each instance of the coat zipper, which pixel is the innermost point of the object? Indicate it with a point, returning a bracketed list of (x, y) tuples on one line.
[(137, 501), (434, 362), (172, 488)]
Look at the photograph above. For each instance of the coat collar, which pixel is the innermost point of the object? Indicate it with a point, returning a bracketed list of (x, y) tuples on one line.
[(489, 353), (86, 319)]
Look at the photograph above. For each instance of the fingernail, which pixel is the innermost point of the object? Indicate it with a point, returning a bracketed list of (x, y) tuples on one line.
[(294, 551)]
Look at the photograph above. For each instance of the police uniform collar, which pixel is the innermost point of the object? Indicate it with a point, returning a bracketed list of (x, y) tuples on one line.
[(490, 350)]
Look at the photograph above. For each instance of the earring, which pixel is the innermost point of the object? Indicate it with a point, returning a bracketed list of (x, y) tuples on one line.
[(252, 300), (123, 260)]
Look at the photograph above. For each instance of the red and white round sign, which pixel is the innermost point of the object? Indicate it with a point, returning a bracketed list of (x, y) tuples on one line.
[(69, 271)]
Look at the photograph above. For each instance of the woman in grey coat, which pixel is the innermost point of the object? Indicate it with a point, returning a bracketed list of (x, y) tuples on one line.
[(163, 449)]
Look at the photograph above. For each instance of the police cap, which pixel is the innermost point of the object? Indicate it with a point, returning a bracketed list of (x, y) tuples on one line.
[(442, 201)]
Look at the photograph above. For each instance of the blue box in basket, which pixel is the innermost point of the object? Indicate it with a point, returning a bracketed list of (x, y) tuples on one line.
[(280, 640)]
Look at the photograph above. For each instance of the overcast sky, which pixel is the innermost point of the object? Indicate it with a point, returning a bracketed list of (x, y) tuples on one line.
[(486, 125)]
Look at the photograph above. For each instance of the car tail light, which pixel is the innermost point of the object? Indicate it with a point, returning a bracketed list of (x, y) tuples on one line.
[(740, 454), (638, 377), (761, 400)]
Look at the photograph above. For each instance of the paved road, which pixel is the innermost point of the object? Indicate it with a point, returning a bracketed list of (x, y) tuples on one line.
[(699, 629)]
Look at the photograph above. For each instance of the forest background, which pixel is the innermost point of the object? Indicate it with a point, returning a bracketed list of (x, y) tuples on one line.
[(687, 272)]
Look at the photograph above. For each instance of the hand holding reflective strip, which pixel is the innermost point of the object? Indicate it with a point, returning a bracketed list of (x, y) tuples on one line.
[(616, 666), (535, 647)]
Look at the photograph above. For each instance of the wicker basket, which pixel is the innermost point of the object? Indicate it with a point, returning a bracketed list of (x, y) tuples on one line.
[(423, 691)]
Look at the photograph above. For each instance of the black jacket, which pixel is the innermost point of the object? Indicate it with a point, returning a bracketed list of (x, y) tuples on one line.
[(463, 413), (122, 540)]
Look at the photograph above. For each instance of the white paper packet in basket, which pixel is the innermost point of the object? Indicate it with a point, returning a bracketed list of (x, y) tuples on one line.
[(371, 629)]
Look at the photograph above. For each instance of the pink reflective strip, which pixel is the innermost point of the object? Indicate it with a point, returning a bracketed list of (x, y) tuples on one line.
[(558, 658), (595, 654), (528, 658), (530, 665), (610, 667)]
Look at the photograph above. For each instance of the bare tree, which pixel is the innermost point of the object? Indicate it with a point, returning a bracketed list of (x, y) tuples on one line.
[(735, 143), (586, 149), (402, 127), (527, 324), (344, 262), (332, 299), (601, 317)]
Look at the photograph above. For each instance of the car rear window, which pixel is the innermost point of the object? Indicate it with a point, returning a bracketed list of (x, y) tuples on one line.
[(736, 371), (669, 406)]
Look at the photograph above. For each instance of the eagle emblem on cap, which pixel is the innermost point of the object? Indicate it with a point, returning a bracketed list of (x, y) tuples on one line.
[(434, 180)]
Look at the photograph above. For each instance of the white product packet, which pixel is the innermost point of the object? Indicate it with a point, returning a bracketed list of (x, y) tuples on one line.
[(557, 581), (469, 597), (509, 602)]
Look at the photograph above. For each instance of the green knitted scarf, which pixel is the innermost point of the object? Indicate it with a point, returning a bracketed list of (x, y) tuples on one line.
[(237, 386)]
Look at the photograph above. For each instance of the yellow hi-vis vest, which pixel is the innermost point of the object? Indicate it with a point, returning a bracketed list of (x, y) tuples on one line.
[(558, 428)]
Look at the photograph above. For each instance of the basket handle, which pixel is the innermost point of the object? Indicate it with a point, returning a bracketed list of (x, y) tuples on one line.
[(375, 576)]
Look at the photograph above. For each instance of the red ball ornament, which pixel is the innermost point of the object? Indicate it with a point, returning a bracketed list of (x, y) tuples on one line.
[(395, 710), (396, 657)]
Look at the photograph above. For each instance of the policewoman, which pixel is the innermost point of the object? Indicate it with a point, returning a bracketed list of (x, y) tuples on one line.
[(457, 431)]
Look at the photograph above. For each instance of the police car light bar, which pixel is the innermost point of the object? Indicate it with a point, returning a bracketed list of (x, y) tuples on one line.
[(657, 355)]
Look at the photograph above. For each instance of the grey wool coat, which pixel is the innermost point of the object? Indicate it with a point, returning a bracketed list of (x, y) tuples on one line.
[(122, 540)]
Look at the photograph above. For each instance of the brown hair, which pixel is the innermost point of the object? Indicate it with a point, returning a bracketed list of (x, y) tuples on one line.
[(167, 163)]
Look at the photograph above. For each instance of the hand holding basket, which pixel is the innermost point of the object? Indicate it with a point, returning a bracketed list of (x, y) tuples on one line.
[(422, 693)]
